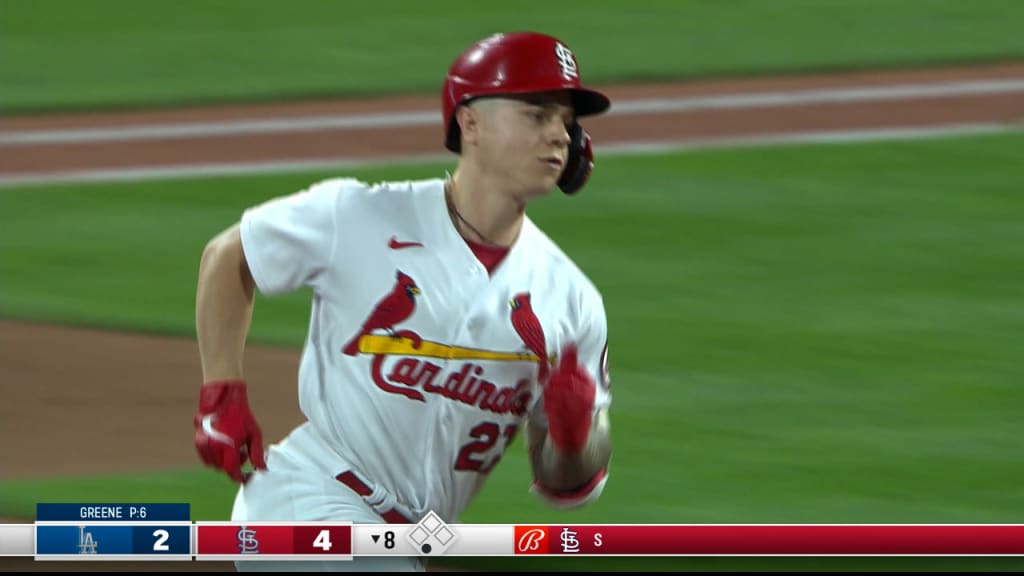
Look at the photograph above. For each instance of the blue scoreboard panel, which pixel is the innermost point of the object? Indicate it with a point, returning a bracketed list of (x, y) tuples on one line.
[(113, 531)]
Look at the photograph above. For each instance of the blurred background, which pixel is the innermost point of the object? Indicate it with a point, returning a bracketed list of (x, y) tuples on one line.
[(806, 221), (111, 53)]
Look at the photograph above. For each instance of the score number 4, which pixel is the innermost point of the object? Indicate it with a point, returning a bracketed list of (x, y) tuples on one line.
[(323, 541)]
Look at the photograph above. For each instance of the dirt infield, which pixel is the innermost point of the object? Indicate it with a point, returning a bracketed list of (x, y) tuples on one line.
[(121, 395)]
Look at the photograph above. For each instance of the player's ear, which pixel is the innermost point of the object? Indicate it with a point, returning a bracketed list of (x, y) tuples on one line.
[(468, 117)]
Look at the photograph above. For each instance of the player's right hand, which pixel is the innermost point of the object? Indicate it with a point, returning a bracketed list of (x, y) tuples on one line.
[(227, 434), (569, 403)]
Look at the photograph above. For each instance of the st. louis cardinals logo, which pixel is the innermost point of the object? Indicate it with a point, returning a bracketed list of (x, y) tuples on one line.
[(566, 61), (247, 541), (413, 374)]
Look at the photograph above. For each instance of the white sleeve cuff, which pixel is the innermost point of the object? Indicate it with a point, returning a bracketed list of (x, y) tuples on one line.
[(575, 499)]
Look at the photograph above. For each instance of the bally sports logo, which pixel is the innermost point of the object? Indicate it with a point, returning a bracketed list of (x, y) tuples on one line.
[(531, 539)]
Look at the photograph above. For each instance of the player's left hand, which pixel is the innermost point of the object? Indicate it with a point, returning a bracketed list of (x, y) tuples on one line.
[(569, 403)]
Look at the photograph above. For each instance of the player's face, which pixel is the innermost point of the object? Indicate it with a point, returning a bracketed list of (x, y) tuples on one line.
[(525, 140)]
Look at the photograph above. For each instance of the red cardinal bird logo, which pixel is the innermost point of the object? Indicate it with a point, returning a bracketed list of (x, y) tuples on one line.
[(528, 327), (391, 310)]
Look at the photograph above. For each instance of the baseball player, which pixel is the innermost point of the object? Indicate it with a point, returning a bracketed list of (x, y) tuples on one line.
[(444, 321)]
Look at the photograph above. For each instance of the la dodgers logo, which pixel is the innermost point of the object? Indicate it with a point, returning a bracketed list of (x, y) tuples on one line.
[(86, 543)]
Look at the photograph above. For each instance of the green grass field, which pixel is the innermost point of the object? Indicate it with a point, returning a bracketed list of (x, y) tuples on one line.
[(58, 54), (800, 334)]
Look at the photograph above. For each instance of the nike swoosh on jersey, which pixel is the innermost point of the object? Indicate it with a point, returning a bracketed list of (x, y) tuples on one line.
[(394, 244)]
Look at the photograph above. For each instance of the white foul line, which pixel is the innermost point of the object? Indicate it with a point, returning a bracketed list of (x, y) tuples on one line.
[(619, 149), (377, 121)]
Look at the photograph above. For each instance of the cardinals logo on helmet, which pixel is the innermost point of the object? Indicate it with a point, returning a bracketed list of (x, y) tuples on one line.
[(392, 309)]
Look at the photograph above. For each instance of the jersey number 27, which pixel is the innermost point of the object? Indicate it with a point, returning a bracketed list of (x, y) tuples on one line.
[(477, 454)]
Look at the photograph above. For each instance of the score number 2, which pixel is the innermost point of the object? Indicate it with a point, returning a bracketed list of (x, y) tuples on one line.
[(160, 544)]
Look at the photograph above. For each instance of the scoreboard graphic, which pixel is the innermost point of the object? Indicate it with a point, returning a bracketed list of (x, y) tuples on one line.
[(166, 532), (113, 531), (273, 541)]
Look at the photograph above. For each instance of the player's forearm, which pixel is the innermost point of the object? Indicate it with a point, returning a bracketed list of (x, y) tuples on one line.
[(224, 304), (561, 472)]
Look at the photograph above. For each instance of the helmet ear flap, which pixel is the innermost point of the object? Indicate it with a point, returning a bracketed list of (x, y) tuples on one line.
[(580, 162), (453, 136)]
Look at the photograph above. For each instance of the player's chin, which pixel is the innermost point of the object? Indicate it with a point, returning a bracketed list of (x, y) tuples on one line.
[(542, 186), (535, 193)]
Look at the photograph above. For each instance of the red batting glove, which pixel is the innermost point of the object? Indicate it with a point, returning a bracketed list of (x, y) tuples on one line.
[(226, 431), (569, 403)]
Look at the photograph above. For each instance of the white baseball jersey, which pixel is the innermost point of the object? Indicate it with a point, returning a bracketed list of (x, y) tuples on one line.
[(420, 367)]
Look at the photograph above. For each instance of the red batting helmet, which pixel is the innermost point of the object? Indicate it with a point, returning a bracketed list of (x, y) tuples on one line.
[(517, 63)]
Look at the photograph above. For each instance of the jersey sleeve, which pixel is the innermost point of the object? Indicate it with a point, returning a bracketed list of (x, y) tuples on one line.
[(289, 241), (592, 344), (593, 353), (591, 339)]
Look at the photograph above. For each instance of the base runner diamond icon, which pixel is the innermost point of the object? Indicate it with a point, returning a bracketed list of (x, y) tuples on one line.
[(431, 536)]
